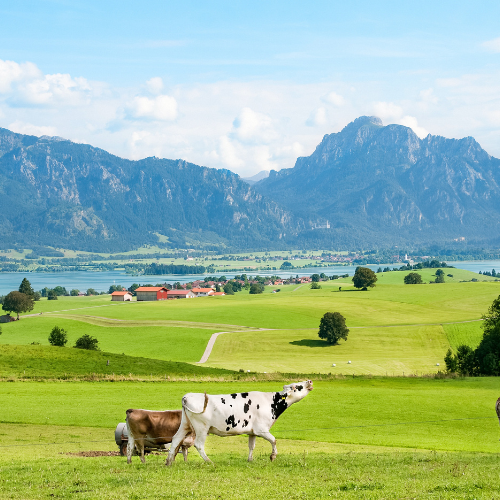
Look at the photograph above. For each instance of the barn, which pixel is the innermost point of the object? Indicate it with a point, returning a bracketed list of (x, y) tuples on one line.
[(121, 296), (145, 293)]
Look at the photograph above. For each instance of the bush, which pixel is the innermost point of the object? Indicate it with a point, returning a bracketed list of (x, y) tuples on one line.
[(256, 288), (332, 328), (87, 342), (58, 337), (315, 285), (51, 295)]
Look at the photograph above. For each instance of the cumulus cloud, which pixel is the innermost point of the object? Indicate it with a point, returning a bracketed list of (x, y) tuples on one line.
[(252, 127), (334, 98), (411, 122), (162, 108), (227, 153), (387, 110), (12, 72)]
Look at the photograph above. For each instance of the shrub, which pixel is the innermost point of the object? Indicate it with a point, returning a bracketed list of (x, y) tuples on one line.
[(256, 288), (315, 285), (87, 342), (413, 279), (58, 337)]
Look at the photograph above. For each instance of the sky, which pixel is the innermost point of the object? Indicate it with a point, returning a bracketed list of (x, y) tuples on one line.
[(246, 86)]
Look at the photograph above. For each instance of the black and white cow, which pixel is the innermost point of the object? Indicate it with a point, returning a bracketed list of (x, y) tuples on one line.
[(252, 413), (497, 408)]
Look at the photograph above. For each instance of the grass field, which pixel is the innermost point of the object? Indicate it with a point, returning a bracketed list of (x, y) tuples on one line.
[(350, 438)]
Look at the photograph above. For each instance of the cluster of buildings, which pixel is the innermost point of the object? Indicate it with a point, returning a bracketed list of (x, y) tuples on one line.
[(149, 293)]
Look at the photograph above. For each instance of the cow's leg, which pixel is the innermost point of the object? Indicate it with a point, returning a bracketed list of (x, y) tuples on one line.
[(251, 446), (140, 449), (269, 437), (185, 453), (130, 448), (184, 428), (199, 443)]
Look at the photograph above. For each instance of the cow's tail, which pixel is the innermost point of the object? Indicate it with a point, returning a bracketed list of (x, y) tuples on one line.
[(186, 407)]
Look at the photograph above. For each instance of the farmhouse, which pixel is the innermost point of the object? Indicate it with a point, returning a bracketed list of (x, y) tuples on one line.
[(122, 296), (180, 294), (203, 292), (145, 293)]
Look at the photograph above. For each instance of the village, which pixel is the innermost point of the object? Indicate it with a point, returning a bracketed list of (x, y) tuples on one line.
[(211, 287)]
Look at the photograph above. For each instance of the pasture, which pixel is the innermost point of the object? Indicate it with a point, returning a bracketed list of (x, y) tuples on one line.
[(350, 438)]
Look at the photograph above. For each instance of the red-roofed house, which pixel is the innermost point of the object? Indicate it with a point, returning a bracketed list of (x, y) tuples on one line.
[(203, 292), (151, 293), (121, 296), (181, 294)]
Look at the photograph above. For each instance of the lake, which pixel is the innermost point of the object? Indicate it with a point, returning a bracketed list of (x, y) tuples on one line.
[(101, 281)]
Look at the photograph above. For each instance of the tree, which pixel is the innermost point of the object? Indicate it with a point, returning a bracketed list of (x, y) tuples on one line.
[(91, 291), (451, 362), (413, 279), (87, 342), (439, 278), (25, 287), (60, 290), (115, 288), (364, 277), (439, 272), (58, 337), (74, 292), (332, 328), (256, 288), (315, 285), (133, 288), (217, 287), (315, 277), (51, 295), (17, 302), (228, 289)]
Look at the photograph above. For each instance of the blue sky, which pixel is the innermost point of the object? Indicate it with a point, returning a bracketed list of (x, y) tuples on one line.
[(246, 85)]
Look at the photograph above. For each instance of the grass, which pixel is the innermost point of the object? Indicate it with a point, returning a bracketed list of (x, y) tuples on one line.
[(379, 351), (397, 412), (133, 339), (63, 362), (466, 333)]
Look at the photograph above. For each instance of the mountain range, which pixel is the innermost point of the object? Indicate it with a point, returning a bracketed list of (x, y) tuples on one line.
[(366, 186)]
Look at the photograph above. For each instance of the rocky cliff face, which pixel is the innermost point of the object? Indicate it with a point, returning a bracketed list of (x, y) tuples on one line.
[(393, 186), (59, 193)]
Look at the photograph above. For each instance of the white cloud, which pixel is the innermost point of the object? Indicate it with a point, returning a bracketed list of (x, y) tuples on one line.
[(317, 118), (163, 108), (29, 129), (334, 98), (227, 153), (155, 85), (492, 45), (252, 127), (387, 110), (12, 72)]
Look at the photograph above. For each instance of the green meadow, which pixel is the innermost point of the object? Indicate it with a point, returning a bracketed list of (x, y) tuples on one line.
[(385, 425)]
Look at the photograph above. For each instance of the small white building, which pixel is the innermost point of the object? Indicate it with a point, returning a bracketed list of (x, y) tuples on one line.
[(203, 292), (122, 296), (181, 294)]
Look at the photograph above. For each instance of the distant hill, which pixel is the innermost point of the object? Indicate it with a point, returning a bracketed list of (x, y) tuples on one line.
[(257, 177), (59, 193), (383, 185)]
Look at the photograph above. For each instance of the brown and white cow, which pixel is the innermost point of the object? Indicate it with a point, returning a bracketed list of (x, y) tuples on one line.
[(252, 413), (154, 428)]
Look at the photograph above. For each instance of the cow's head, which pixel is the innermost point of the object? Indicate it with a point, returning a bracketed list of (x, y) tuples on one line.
[(296, 391)]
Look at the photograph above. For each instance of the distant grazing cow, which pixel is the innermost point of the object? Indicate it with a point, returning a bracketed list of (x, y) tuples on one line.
[(252, 413), (155, 428)]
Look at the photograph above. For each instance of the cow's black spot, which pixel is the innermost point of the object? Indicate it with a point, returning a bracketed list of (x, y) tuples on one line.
[(238, 421), (223, 401), (244, 395), (246, 406), (300, 387), (245, 423), (234, 395), (278, 406), (227, 428), (231, 421), (258, 406)]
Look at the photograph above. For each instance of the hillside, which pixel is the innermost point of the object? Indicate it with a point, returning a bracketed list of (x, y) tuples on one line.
[(59, 193), (384, 185)]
